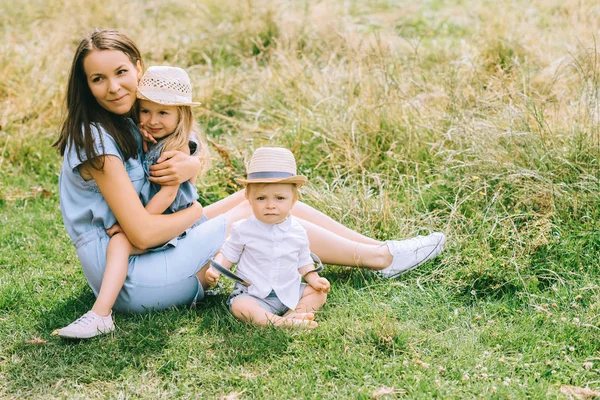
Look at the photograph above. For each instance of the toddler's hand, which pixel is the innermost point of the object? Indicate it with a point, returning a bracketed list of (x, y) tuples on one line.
[(322, 284), (113, 230), (148, 138), (212, 276)]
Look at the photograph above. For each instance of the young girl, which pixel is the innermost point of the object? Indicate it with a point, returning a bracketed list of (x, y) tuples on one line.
[(102, 178), (164, 112), (271, 249)]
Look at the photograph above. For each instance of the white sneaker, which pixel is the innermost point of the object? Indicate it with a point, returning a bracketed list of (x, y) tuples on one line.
[(410, 253), (87, 326)]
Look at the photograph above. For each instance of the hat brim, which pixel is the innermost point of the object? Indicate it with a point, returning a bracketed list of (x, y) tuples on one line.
[(299, 180), (142, 96)]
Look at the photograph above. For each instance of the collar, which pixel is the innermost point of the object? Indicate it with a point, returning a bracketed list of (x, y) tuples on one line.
[(284, 225)]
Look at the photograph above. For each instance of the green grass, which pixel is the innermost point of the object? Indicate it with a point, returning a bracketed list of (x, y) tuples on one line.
[(480, 119)]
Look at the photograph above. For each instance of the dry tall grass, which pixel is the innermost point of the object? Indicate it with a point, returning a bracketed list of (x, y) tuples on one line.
[(479, 118)]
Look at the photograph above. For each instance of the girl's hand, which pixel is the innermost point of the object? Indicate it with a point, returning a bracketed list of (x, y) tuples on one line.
[(174, 167), (113, 230), (212, 276), (147, 138), (322, 285)]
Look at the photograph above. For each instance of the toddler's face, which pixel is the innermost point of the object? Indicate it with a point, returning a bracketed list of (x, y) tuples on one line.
[(271, 202), (158, 119)]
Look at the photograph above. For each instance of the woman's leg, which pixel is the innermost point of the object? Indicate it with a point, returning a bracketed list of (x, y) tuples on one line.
[(393, 257), (225, 205), (310, 214), (336, 244), (300, 210), (337, 250)]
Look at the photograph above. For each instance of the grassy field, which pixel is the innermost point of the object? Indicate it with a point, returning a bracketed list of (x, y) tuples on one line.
[(478, 118)]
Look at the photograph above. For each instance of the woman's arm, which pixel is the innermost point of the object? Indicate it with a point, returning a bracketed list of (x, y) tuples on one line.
[(168, 192), (144, 230)]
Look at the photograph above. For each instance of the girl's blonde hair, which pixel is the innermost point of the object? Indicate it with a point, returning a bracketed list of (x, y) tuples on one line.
[(179, 139)]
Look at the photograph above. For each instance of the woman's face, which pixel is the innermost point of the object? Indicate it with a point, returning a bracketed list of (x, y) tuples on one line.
[(112, 79)]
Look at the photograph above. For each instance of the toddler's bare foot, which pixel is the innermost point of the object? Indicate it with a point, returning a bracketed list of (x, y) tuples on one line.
[(296, 320), (292, 314)]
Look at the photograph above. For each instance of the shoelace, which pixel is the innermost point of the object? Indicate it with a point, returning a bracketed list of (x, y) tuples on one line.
[(84, 320)]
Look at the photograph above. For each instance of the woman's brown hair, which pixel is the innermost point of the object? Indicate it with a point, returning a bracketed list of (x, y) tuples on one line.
[(82, 108)]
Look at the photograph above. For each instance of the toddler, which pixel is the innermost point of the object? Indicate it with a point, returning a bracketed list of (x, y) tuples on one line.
[(271, 249)]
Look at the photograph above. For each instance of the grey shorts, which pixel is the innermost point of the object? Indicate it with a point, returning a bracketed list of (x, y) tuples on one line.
[(271, 303)]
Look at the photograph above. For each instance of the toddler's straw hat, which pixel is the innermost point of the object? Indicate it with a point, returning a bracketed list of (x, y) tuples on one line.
[(272, 165), (166, 85)]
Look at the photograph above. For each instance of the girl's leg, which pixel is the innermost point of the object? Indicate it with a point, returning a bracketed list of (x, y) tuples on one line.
[(99, 319), (248, 310), (117, 263)]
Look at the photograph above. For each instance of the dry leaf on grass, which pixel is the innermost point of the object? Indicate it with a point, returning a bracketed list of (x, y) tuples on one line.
[(385, 391), (38, 190), (574, 392), (36, 340), (232, 396), (223, 153)]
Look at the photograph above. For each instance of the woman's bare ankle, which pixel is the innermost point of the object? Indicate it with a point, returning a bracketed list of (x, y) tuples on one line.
[(101, 311)]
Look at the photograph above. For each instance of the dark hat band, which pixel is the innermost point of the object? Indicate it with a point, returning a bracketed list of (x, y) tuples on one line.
[(268, 174)]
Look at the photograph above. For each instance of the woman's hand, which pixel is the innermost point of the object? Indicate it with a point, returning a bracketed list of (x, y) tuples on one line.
[(147, 138), (174, 167)]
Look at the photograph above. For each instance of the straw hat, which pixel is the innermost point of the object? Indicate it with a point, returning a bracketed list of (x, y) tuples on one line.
[(166, 85), (272, 165)]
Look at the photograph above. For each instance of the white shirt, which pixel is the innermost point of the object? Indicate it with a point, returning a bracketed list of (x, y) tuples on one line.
[(268, 256)]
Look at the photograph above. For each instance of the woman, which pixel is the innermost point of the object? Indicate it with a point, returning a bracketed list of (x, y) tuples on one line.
[(102, 176)]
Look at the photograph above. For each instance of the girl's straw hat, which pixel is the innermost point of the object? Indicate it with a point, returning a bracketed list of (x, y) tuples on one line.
[(272, 165), (166, 85)]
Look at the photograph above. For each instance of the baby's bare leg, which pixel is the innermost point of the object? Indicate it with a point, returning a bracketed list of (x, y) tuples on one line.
[(249, 311), (311, 300), (117, 263)]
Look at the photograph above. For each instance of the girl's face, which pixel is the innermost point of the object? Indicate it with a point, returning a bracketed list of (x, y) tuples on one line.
[(158, 119), (112, 79), (272, 202)]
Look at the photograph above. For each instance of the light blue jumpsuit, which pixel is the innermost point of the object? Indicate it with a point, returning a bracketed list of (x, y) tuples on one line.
[(155, 280)]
